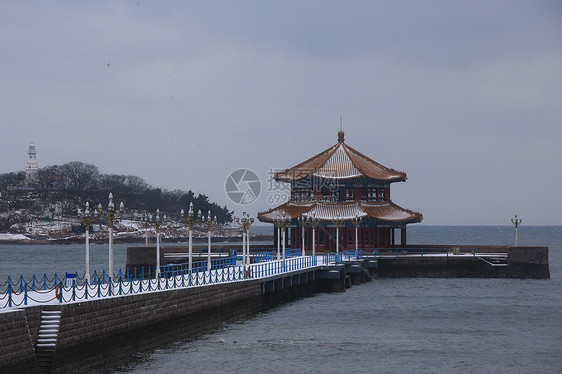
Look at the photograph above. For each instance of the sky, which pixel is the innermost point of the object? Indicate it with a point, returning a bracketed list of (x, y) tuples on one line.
[(465, 97)]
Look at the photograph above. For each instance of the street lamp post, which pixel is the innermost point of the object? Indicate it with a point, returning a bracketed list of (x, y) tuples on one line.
[(146, 225), (516, 222), (111, 217), (87, 218), (277, 222), (245, 222), (337, 222), (190, 220), (313, 222), (356, 222), (302, 222), (157, 223), (285, 220), (210, 223), (249, 222)]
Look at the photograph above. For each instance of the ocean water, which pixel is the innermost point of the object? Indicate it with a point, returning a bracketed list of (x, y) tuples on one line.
[(410, 325), (414, 325)]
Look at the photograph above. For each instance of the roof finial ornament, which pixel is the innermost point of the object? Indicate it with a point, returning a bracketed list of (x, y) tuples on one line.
[(340, 133)]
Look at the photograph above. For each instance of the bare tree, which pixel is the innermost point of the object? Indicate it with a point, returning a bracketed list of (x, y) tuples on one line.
[(79, 176), (47, 179), (11, 179)]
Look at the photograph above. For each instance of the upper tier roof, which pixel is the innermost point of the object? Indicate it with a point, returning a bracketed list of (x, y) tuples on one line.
[(340, 162)]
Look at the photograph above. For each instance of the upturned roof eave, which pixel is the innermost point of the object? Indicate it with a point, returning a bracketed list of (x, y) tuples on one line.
[(295, 210)]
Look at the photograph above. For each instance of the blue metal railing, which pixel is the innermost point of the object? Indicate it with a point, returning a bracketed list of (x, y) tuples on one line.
[(73, 286), (263, 256), (292, 252), (332, 257), (174, 270)]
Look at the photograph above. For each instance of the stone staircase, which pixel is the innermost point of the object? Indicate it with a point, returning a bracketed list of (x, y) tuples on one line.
[(47, 340), (495, 260)]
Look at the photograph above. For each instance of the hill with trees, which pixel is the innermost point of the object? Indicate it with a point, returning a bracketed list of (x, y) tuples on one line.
[(60, 190)]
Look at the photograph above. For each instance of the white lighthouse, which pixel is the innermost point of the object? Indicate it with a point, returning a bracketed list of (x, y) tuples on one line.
[(32, 167)]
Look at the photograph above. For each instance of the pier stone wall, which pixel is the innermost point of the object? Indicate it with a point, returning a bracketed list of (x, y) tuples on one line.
[(103, 333), (16, 348), (528, 262), (523, 262)]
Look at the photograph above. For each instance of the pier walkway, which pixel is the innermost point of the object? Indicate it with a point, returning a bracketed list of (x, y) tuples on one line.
[(273, 274)]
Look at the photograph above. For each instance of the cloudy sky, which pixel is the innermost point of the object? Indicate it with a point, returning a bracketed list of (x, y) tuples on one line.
[(465, 97)]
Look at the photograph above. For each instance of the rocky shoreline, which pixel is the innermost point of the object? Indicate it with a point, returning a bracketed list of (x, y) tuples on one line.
[(126, 231)]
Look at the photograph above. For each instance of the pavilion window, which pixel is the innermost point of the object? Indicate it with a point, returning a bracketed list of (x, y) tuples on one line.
[(337, 195), (372, 194), (301, 195), (364, 193), (380, 194), (321, 238), (349, 193)]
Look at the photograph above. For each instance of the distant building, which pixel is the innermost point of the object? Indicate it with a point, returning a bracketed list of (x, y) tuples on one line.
[(340, 187), (32, 166)]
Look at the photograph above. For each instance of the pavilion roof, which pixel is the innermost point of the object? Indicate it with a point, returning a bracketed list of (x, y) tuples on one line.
[(386, 211), (340, 162)]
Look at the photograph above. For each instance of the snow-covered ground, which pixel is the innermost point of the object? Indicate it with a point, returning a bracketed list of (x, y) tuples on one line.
[(13, 237), (63, 229)]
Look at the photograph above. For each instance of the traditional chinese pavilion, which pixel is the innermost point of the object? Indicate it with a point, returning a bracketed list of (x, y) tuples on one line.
[(340, 188)]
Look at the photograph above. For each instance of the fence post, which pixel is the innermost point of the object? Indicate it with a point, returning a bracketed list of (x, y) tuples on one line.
[(9, 292), (86, 289), (110, 284), (25, 295), (44, 281), (61, 291)]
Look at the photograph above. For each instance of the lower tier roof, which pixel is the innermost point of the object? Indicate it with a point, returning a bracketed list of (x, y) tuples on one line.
[(387, 211)]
